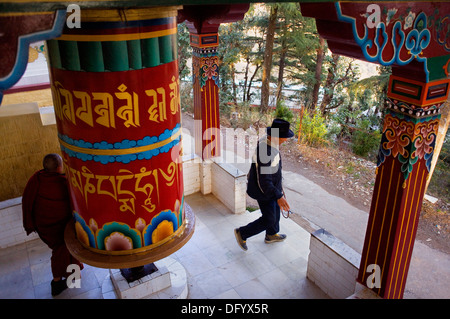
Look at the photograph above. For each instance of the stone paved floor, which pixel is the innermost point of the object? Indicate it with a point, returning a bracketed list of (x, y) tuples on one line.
[(215, 265)]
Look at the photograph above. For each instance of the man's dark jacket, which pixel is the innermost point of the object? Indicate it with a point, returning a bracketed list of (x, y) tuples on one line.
[(264, 177)]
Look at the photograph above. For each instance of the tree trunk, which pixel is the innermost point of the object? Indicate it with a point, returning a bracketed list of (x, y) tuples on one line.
[(329, 87), (265, 89), (244, 96), (233, 78), (281, 69), (249, 87), (318, 74)]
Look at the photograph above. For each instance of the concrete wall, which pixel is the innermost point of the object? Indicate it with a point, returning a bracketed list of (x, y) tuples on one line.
[(332, 265), (27, 133), (224, 181), (229, 185), (191, 174)]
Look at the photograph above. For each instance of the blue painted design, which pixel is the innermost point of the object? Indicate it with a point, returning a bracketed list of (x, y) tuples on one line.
[(440, 27), (125, 144), (22, 50), (86, 228), (429, 156), (408, 159), (415, 41), (383, 152), (180, 212)]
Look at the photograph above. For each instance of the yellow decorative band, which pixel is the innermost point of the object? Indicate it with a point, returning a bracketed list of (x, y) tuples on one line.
[(116, 37), (116, 152)]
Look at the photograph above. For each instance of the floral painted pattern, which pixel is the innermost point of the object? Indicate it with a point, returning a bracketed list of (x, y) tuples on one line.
[(118, 241), (409, 20), (84, 232), (209, 69), (390, 15), (162, 225), (408, 140), (426, 138), (117, 236), (398, 134)]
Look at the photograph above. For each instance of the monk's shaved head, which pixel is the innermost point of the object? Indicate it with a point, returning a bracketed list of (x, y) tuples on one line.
[(52, 162)]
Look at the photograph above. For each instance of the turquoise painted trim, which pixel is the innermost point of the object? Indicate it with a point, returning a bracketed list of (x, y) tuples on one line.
[(86, 228), (416, 41), (22, 50), (125, 144)]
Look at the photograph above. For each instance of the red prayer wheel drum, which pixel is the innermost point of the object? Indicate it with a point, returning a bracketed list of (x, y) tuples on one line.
[(116, 95)]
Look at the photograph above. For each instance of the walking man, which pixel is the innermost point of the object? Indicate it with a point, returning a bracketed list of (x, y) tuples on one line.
[(264, 185)]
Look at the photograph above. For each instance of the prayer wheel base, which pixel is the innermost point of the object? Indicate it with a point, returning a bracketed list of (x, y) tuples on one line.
[(136, 273), (99, 260), (169, 282)]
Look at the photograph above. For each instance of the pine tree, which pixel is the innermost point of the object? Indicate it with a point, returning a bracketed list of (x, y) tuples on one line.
[(268, 52)]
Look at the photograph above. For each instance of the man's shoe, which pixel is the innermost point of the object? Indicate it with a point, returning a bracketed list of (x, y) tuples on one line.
[(58, 286), (239, 239), (274, 238)]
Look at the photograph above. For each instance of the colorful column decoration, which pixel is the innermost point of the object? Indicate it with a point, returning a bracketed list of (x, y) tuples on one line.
[(203, 23), (409, 134), (414, 39), (205, 68), (115, 88)]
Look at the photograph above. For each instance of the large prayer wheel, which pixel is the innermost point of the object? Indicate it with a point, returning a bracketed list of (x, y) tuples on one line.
[(115, 88)]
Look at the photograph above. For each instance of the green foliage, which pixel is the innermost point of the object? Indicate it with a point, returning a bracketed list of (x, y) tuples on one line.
[(444, 155), (283, 112), (187, 96), (363, 141), (440, 181), (313, 129), (184, 51), (346, 103), (234, 46)]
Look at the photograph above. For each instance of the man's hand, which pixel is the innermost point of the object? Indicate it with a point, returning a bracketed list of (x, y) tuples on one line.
[(282, 202)]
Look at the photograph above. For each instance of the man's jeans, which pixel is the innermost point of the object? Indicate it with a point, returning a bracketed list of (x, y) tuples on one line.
[(269, 221)]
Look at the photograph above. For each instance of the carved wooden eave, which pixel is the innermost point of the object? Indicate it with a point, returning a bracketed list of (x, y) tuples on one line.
[(412, 37), (207, 18)]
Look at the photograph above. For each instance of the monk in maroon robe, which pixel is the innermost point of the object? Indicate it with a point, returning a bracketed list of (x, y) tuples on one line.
[(46, 210)]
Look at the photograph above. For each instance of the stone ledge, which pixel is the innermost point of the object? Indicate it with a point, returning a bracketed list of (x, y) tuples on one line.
[(338, 246), (332, 265)]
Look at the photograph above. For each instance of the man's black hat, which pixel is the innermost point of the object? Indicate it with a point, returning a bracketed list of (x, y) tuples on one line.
[(280, 128)]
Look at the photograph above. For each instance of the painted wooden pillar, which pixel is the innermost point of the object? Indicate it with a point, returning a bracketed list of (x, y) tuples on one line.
[(411, 124), (203, 23), (414, 39), (115, 88), (205, 81)]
